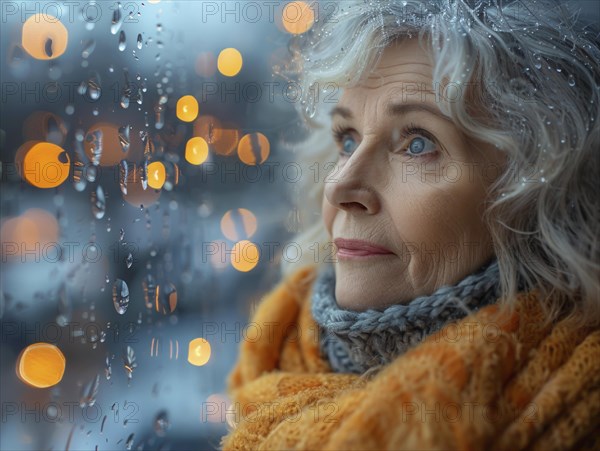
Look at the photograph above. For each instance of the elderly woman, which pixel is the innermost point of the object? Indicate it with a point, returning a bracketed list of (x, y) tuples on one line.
[(462, 306)]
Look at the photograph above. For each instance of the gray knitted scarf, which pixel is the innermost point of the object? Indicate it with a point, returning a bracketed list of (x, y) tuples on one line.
[(355, 341)]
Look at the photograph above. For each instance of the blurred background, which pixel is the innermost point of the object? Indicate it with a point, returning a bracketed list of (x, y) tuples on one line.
[(148, 190)]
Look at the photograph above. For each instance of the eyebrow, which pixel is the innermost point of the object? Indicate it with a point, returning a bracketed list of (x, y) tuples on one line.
[(394, 109)]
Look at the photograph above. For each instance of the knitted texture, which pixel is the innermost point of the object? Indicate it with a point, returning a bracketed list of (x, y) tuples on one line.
[(357, 341), (497, 379)]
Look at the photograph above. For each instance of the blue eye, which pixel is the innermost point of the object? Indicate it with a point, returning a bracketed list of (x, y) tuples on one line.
[(344, 140), (420, 145), (348, 144)]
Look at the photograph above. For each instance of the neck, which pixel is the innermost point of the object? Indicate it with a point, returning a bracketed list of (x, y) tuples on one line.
[(356, 341)]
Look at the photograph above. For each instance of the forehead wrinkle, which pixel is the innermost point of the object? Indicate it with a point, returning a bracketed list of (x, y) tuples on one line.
[(396, 65), (416, 78)]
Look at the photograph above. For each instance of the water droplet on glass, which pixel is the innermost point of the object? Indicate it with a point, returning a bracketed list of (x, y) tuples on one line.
[(139, 41), (129, 260), (94, 90), (89, 393), (98, 202), (122, 41), (91, 172), (129, 442), (159, 116), (166, 298), (48, 48), (125, 92), (129, 362), (95, 138), (123, 172), (107, 368), (88, 48), (144, 173), (120, 296), (161, 423), (121, 234), (82, 88), (124, 137), (571, 80), (79, 180), (117, 19)]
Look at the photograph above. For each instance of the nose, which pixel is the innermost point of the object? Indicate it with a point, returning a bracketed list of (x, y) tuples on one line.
[(351, 186)]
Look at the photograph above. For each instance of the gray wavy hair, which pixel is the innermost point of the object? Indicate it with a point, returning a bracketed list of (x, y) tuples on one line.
[(535, 70)]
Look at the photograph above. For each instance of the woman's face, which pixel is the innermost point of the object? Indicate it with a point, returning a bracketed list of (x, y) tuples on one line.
[(406, 180)]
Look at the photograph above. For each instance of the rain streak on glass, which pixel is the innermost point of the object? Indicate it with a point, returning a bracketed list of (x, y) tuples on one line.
[(124, 138), (120, 296), (89, 392)]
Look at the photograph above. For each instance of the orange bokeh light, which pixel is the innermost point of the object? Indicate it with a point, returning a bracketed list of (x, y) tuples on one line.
[(254, 149), (196, 150), (297, 17), (187, 109), (238, 224), (42, 164), (244, 256), (199, 352), (44, 37), (230, 62), (41, 365)]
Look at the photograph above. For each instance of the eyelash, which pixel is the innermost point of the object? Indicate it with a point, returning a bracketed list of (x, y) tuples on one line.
[(409, 130)]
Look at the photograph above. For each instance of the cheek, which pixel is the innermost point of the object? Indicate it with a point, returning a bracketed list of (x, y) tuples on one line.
[(436, 213)]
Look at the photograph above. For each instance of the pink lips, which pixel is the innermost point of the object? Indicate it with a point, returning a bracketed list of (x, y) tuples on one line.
[(358, 248)]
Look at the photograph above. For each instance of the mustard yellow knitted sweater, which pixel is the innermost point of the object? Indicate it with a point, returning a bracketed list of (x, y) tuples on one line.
[(495, 380)]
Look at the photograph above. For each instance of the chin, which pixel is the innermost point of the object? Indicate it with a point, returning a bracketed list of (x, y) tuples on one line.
[(354, 293)]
